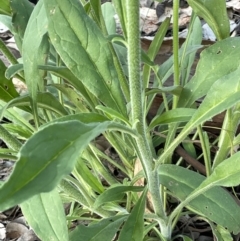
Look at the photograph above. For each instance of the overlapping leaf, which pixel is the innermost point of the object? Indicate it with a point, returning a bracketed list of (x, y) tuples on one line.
[(103, 230), (223, 94), (91, 61), (216, 203), (45, 158), (34, 44), (214, 14), (215, 62), (21, 11), (133, 228), (7, 89), (45, 214)]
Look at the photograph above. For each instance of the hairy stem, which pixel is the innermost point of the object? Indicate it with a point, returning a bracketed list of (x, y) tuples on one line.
[(175, 48), (137, 118)]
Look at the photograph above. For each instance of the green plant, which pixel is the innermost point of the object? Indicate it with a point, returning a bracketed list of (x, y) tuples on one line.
[(74, 67)]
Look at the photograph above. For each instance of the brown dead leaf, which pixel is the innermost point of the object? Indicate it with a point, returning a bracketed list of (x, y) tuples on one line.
[(140, 182), (15, 230)]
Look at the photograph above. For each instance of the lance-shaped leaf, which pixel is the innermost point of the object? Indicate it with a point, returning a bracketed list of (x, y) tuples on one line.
[(215, 204), (115, 193), (5, 7), (7, 89), (84, 50), (66, 74), (215, 14), (45, 214), (45, 158), (225, 174), (34, 43), (44, 100), (223, 94), (215, 62), (133, 228), (103, 230), (172, 116), (21, 11)]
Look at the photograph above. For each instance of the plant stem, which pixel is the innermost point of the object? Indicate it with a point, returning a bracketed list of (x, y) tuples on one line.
[(136, 91), (205, 147), (10, 141), (137, 118), (175, 48)]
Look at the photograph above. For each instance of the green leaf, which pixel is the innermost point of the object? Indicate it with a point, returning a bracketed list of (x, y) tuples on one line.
[(8, 156), (21, 11), (103, 230), (172, 116), (7, 89), (236, 140), (189, 147), (222, 95), (225, 174), (18, 130), (214, 14), (165, 70), (82, 170), (7, 21), (228, 132), (222, 234), (96, 11), (45, 214), (5, 151), (92, 61), (215, 62), (119, 45), (72, 193), (146, 60), (82, 117), (108, 13), (73, 96), (32, 53), (5, 154), (154, 49), (115, 193), (120, 7), (195, 38), (44, 100), (65, 73), (5, 7), (112, 114), (158, 39), (45, 158), (216, 204), (18, 117), (13, 70), (175, 90), (134, 226)]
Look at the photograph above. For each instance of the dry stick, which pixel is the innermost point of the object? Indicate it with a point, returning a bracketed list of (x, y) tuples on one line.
[(192, 161)]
